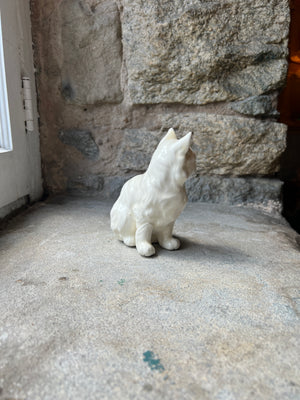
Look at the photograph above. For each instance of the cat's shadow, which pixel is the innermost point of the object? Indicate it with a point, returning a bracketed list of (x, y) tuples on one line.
[(191, 249)]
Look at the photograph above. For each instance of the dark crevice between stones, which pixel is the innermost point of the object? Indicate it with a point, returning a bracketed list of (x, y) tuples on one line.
[(290, 175), (289, 108)]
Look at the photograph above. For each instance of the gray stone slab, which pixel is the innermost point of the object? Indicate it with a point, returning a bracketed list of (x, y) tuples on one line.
[(91, 66), (137, 148), (227, 190), (86, 184), (260, 193), (257, 106), (85, 317), (196, 52), (229, 145), (224, 145), (82, 140)]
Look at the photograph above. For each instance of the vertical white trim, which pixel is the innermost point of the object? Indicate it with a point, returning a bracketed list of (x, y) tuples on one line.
[(5, 129)]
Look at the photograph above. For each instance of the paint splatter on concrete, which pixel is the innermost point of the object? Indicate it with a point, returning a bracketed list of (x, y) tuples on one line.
[(148, 387), (153, 362)]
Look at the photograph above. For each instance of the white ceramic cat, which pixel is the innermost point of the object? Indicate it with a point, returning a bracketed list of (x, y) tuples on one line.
[(149, 204)]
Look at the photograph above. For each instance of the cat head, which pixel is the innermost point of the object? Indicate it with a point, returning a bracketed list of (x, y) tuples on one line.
[(173, 158)]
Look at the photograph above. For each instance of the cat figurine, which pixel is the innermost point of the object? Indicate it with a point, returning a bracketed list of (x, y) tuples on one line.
[(149, 204)]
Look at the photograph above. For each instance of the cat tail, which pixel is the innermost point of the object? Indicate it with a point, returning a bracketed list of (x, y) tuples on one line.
[(122, 221)]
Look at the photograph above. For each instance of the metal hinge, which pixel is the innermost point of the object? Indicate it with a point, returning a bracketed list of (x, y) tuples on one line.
[(27, 101)]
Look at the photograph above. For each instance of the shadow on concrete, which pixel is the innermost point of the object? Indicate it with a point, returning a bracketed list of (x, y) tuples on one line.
[(190, 249)]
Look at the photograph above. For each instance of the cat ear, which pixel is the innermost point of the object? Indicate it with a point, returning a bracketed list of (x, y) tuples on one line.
[(184, 143), (169, 135)]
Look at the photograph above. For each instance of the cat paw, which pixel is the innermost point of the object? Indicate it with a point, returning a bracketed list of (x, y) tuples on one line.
[(129, 241), (170, 244), (145, 249)]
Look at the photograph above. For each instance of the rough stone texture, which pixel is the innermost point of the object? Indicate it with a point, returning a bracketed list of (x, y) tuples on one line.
[(112, 186), (257, 106), (197, 52), (82, 141), (92, 50), (87, 183), (94, 59), (137, 148), (257, 192), (224, 145), (85, 317)]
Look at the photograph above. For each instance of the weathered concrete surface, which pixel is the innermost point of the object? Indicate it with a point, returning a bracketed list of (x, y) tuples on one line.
[(84, 317), (196, 52)]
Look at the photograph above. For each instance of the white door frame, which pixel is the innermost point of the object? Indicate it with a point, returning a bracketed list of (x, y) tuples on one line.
[(20, 166)]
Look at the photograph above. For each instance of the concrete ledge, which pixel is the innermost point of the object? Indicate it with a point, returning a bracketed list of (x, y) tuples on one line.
[(85, 317)]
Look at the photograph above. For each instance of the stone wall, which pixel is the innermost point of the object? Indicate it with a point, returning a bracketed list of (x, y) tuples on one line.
[(113, 76)]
